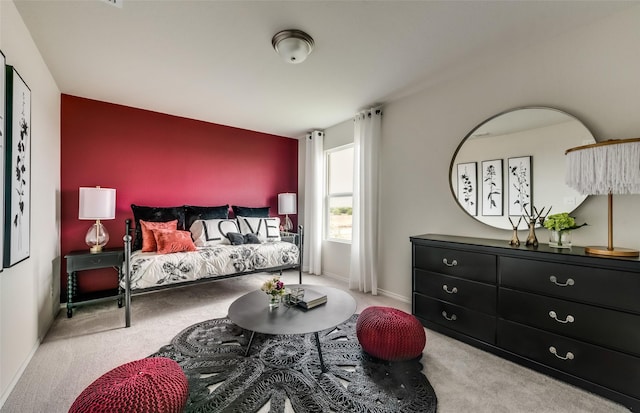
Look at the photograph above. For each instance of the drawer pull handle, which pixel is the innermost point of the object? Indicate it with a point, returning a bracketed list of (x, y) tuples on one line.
[(452, 291), (569, 318), (452, 264), (452, 318), (554, 280), (553, 351)]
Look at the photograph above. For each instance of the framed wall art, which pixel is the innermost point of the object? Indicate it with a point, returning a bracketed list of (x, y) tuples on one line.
[(17, 191), (520, 185), (492, 188), (468, 187), (2, 146)]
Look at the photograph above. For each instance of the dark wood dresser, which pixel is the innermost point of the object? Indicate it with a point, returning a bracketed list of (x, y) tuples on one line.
[(559, 311)]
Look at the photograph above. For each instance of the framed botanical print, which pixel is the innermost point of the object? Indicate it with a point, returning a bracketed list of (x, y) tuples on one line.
[(492, 182), (520, 185), (17, 194), (468, 187)]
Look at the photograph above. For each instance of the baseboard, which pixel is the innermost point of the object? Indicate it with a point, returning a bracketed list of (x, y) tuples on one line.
[(394, 295), (335, 276), (380, 290), (18, 374)]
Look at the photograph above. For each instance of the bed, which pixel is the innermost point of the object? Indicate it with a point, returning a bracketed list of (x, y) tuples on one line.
[(202, 244)]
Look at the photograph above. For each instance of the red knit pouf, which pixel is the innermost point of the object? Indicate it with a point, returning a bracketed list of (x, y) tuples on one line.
[(151, 385), (390, 334)]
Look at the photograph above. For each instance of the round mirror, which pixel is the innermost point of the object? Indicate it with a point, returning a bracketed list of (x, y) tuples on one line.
[(514, 162)]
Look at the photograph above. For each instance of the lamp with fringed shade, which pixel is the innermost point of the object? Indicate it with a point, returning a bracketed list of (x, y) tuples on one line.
[(606, 168)]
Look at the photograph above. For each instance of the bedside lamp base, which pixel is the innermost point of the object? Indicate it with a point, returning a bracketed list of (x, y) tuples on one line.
[(613, 252)]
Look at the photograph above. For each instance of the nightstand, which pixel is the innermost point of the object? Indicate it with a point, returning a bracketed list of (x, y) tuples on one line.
[(85, 260)]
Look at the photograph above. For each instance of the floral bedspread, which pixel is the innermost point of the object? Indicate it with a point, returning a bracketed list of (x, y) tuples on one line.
[(149, 269)]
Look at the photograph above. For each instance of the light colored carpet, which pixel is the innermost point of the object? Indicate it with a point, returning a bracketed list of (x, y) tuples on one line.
[(76, 351)]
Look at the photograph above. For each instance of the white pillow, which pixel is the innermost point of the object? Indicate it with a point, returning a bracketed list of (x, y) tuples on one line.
[(267, 229), (206, 233)]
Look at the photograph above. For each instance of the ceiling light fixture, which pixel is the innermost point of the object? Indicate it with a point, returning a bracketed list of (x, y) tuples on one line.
[(293, 45)]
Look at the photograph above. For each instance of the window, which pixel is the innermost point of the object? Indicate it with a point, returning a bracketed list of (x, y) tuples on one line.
[(339, 199)]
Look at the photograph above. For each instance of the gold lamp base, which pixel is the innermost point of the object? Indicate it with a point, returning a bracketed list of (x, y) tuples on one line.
[(613, 252), (95, 249), (609, 250)]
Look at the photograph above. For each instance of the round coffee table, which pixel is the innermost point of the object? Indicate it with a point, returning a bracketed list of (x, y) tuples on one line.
[(251, 312)]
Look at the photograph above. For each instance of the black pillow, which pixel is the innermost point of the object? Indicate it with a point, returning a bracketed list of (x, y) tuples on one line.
[(251, 239), (250, 212), (235, 238), (154, 214), (194, 213)]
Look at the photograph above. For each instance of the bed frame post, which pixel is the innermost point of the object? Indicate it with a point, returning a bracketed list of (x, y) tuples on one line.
[(301, 252), (127, 273)]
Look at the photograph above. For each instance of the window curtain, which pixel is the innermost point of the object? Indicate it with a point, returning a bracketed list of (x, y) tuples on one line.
[(364, 243), (313, 202)]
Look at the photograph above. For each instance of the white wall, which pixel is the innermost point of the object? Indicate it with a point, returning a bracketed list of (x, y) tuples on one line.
[(592, 73), (339, 135), (29, 291)]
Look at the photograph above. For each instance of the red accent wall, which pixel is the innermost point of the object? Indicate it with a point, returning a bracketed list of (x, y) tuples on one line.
[(156, 159)]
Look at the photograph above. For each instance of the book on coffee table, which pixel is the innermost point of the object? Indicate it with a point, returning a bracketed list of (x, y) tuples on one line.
[(312, 298)]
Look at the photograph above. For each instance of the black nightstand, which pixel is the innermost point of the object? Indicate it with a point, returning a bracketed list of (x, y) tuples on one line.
[(85, 260)]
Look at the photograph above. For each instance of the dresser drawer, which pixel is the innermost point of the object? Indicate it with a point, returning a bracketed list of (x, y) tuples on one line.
[(471, 294), (609, 288), (464, 264), (608, 328), (606, 367), (463, 320)]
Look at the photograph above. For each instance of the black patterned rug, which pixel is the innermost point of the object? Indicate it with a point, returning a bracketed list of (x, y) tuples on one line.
[(284, 372)]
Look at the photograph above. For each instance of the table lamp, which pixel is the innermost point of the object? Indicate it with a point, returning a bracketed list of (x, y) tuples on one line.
[(97, 203), (286, 206), (606, 168)]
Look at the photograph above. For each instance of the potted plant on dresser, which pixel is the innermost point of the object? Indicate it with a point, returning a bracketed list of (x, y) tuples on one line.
[(560, 227)]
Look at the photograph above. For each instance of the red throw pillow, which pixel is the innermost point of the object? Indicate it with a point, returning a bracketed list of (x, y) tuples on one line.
[(169, 241), (148, 239)]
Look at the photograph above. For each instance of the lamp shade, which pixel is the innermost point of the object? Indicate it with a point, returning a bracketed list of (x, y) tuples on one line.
[(606, 168), (286, 203), (97, 203), (609, 167)]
